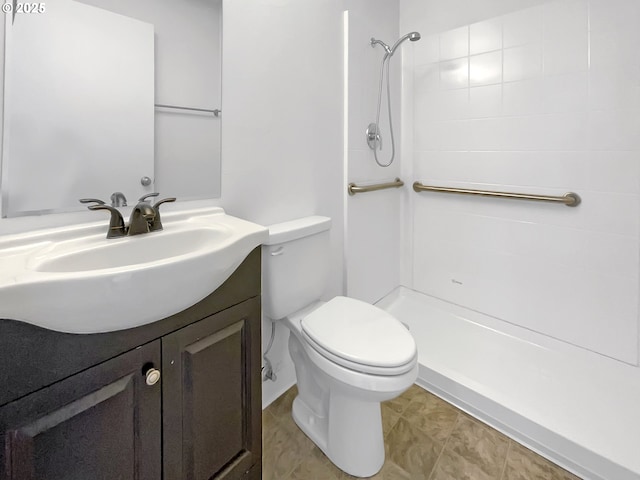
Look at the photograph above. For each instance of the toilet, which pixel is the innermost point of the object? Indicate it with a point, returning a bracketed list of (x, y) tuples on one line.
[(349, 355)]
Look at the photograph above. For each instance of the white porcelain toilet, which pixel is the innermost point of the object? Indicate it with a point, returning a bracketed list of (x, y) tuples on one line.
[(349, 355)]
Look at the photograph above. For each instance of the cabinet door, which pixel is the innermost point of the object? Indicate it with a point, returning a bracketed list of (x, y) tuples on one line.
[(101, 424), (212, 396)]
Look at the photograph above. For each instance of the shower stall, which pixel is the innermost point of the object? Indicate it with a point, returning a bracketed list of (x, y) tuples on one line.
[(515, 259)]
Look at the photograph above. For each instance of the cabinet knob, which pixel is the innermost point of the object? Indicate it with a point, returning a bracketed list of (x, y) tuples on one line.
[(152, 376)]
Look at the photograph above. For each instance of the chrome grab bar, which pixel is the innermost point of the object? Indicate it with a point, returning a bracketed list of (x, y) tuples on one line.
[(570, 199), (216, 112), (352, 188)]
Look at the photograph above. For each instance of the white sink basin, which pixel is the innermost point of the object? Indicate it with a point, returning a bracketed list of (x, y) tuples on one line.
[(75, 280), (98, 254)]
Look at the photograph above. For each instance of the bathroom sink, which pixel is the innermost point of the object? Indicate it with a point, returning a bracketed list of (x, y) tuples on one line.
[(75, 280), (80, 256)]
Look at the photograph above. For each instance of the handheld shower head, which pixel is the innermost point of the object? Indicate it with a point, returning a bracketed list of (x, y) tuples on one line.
[(412, 36), (373, 132)]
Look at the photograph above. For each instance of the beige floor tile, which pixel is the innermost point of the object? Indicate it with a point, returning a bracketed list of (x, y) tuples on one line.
[(285, 446), (316, 466), (414, 392), (432, 415), (398, 405), (389, 419), (451, 466), (558, 473), (289, 425), (269, 425), (282, 406), (479, 445), (523, 464), (412, 450), (281, 454), (391, 471), (425, 439)]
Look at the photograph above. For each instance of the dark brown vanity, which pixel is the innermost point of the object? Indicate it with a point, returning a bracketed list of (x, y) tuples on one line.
[(90, 407)]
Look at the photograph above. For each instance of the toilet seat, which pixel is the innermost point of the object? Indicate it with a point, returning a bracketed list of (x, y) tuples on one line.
[(360, 337), (358, 367)]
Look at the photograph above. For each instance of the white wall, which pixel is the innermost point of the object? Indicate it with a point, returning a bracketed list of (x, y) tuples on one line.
[(282, 131), (373, 232), (541, 100)]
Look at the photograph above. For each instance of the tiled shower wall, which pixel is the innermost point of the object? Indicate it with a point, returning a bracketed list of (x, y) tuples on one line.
[(544, 100)]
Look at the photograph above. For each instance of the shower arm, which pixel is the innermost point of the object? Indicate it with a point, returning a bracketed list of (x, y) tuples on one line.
[(375, 42)]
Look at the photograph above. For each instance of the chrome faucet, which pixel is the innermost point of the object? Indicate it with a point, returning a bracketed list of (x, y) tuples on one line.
[(144, 217)]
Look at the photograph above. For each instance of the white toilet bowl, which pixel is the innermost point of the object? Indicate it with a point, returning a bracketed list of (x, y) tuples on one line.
[(339, 407)]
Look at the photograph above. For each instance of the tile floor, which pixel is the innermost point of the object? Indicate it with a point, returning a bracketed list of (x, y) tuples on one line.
[(425, 439)]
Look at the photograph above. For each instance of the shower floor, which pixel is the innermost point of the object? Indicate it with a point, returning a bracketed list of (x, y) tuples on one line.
[(567, 403), (425, 439)]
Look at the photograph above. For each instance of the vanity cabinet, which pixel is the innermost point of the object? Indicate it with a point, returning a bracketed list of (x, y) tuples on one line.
[(212, 407), (80, 407), (101, 424)]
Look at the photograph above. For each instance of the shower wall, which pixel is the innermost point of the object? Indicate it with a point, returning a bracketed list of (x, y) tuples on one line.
[(373, 220), (528, 97)]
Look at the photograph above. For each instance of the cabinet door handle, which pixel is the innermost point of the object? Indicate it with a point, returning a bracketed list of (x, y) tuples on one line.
[(152, 376)]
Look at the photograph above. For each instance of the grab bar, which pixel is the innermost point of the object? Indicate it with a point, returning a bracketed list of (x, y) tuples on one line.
[(352, 188), (570, 199), (216, 112)]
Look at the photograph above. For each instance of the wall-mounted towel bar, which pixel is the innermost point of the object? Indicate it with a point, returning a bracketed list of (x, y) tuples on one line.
[(570, 199), (215, 112), (352, 188)]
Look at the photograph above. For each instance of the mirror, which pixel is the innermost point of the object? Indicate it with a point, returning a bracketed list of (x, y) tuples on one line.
[(112, 91)]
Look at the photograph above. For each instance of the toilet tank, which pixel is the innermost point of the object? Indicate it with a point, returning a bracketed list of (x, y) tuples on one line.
[(295, 265)]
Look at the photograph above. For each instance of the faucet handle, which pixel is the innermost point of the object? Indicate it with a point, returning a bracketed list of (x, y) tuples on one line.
[(157, 223), (91, 200), (116, 224), (164, 200), (148, 195)]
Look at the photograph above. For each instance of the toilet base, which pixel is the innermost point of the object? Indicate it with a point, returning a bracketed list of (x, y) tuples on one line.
[(342, 417), (351, 437)]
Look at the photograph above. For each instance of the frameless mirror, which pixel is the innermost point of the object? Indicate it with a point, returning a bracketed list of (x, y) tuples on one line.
[(102, 93)]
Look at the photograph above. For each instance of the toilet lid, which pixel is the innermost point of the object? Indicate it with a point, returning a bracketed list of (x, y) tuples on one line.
[(360, 333)]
